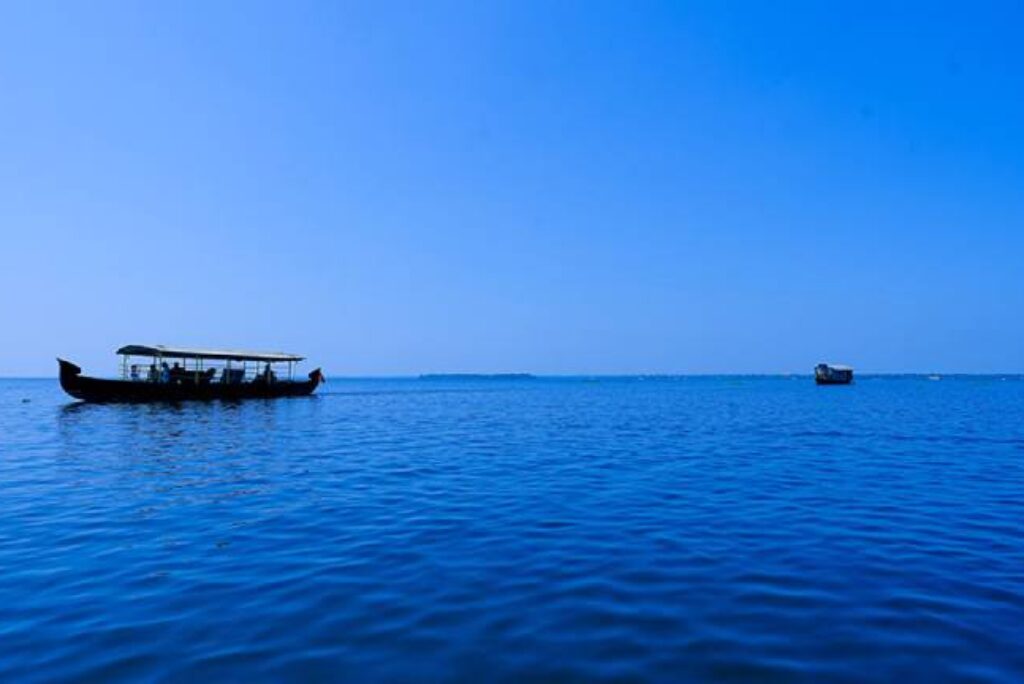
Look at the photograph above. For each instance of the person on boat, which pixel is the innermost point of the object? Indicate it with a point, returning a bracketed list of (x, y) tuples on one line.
[(153, 375), (135, 373), (267, 375), (165, 372)]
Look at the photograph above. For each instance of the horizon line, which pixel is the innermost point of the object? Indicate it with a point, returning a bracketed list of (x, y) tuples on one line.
[(526, 375)]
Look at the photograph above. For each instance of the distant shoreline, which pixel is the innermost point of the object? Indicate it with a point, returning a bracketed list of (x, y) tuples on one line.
[(477, 376)]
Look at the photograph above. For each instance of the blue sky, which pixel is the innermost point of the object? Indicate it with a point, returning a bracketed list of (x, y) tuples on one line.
[(560, 187)]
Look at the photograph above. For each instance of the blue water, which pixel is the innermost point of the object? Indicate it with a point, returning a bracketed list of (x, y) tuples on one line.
[(719, 529)]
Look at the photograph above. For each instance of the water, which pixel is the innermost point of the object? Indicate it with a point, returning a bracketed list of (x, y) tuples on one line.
[(726, 529)]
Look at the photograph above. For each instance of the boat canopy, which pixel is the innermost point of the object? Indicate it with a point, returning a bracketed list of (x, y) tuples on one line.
[(218, 354)]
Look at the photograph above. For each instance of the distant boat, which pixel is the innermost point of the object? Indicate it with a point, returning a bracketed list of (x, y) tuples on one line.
[(155, 380), (828, 374)]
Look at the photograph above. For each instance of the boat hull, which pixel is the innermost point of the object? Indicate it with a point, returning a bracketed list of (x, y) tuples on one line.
[(102, 390), (829, 381)]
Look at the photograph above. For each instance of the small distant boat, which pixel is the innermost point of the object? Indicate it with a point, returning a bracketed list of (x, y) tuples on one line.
[(202, 374), (828, 374)]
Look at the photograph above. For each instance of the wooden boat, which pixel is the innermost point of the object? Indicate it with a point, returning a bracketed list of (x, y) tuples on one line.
[(827, 374), (203, 374)]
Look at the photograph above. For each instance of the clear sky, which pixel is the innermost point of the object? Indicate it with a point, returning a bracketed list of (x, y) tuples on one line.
[(552, 187)]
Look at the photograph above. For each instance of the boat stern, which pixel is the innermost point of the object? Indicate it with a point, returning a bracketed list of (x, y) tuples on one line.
[(69, 378)]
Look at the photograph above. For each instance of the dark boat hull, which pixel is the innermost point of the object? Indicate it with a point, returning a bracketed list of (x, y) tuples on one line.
[(101, 390), (830, 381)]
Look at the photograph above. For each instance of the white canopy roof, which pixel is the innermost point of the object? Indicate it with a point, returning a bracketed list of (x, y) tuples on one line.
[(221, 354)]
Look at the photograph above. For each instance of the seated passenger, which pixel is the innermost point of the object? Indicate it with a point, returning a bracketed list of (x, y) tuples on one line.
[(165, 372), (135, 373), (267, 375)]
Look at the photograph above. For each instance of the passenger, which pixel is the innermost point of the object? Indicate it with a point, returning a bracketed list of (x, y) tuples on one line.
[(178, 374), (165, 372), (268, 375), (135, 373), (153, 375)]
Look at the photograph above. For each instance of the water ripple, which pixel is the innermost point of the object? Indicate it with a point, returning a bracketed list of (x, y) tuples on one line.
[(660, 529)]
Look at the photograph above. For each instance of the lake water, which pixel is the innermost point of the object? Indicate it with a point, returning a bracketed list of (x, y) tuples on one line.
[(721, 529)]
